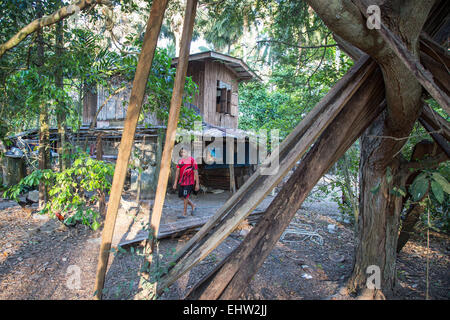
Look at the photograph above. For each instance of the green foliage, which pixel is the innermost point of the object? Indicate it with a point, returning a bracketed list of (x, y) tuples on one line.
[(435, 183), (222, 24), (87, 60), (29, 182), (261, 109), (281, 103), (73, 191), (341, 183), (160, 86), (421, 185)]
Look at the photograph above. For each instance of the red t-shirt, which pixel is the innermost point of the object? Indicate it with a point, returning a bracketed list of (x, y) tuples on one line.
[(187, 167)]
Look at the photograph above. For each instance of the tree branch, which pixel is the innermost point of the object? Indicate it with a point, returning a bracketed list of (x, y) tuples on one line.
[(295, 45), (424, 164), (410, 61), (55, 17)]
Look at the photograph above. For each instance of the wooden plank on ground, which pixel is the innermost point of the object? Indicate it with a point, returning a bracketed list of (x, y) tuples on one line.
[(179, 228)]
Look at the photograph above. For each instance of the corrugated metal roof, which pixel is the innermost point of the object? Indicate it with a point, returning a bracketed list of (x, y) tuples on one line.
[(236, 65)]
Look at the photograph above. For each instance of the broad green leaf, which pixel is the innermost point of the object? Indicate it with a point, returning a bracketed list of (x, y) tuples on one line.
[(437, 191), (442, 182), (419, 187)]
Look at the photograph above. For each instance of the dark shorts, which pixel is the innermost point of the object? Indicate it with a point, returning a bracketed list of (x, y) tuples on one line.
[(185, 191)]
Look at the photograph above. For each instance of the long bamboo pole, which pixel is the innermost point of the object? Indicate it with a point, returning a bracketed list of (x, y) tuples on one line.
[(126, 143), (175, 106)]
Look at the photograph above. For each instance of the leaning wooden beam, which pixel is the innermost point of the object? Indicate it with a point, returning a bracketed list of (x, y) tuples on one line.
[(126, 143), (291, 150), (288, 143), (439, 139), (231, 277), (437, 53), (436, 60), (437, 122), (434, 50), (422, 75), (433, 57), (175, 106), (353, 52)]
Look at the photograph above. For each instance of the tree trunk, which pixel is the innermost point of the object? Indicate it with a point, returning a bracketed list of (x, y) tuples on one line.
[(44, 148), (380, 210), (60, 114), (378, 224), (411, 218)]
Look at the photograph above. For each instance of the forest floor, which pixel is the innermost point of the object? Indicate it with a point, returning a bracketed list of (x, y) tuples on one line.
[(41, 259)]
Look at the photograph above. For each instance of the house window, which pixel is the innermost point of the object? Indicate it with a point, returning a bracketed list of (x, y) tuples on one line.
[(223, 97)]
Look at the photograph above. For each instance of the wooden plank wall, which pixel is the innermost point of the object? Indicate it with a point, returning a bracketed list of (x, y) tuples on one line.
[(114, 108), (89, 106), (113, 113), (214, 71), (204, 73), (196, 70)]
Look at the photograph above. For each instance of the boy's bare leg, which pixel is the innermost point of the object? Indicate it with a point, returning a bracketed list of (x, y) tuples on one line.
[(186, 201), (192, 206)]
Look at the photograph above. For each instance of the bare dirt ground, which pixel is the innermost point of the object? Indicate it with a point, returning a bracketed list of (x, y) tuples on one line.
[(41, 259)]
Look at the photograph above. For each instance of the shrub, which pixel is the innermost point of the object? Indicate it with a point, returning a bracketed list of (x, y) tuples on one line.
[(70, 191)]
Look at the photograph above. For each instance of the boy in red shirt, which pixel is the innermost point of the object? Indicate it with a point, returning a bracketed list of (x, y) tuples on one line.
[(187, 178)]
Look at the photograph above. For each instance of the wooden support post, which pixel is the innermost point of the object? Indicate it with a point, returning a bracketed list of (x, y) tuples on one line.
[(175, 106), (99, 147), (134, 109), (232, 180), (422, 75)]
